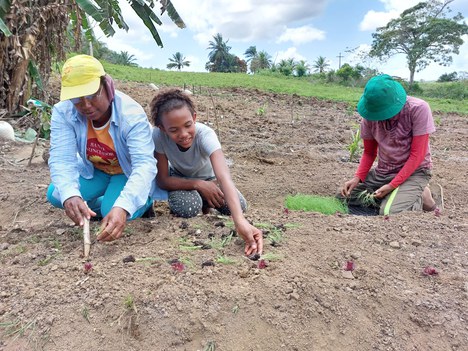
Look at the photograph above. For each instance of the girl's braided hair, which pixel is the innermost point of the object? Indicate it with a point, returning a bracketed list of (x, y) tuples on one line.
[(168, 100)]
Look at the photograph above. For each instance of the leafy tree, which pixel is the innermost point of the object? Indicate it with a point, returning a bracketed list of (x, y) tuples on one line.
[(178, 61), (423, 33), (448, 77), (33, 33), (261, 61), (347, 72), (302, 68), (221, 60), (320, 64)]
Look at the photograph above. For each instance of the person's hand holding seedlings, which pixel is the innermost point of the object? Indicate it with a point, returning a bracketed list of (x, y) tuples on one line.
[(77, 210), (253, 237), (211, 192), (383, 191), (349, 186), (113, 224)]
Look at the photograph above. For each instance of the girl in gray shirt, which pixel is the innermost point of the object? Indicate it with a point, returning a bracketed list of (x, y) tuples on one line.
[(192, 166)]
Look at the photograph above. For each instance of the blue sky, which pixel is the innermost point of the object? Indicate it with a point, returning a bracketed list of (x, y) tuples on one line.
[(299, 29)]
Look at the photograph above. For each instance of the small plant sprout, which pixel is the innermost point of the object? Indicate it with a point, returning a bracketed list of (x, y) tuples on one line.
[(18, 328), (235, 309), (367, 198), (225, 260), (271, 256), (261, 111), (429, 270), (275, 236), (87, 267), (349, 266), (354, 147), (85, 313), (210, 346), (129, 303)]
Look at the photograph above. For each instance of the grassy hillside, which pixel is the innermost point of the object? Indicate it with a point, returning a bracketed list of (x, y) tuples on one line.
[(286, 85)]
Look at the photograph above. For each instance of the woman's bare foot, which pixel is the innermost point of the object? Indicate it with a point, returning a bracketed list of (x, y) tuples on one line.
[(428, 202)]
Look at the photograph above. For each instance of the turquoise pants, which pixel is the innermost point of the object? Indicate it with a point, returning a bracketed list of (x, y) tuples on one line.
[(100, 193)]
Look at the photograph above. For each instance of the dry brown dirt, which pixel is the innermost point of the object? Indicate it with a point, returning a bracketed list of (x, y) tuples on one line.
[(303, 300)]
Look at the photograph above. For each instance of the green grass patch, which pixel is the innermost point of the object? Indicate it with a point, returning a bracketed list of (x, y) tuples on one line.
[(312, 203)]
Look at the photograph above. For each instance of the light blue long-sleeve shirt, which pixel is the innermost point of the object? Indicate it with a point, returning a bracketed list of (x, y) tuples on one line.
[(131, 133)]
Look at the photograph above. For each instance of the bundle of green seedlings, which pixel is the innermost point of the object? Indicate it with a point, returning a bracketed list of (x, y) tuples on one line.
[(312, 203), (367, 198)]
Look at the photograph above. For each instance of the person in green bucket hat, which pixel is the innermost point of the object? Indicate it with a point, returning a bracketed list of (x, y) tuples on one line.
[(395, 129)]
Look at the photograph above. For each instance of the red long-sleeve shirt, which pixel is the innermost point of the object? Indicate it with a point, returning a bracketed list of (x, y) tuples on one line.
[(419, 145)]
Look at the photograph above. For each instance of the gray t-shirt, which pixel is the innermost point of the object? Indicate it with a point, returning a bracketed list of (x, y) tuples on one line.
[(195, 162)]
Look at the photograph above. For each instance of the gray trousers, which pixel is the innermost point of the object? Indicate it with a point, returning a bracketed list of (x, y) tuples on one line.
[(407, 197)]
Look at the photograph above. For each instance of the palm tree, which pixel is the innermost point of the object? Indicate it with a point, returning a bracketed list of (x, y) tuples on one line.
[(124, 58), (219, 56), (286, 67), (320, 65), (302, 68), (261, 61), (178, 61), (33, 33), (250, 53)]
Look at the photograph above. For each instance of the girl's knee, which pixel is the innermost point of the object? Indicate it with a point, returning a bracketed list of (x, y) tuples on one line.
[(185, 204)]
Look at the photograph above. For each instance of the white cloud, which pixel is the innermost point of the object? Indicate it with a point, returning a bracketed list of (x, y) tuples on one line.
[(373, 19), (246, 20), (287, 54), (301, 35)]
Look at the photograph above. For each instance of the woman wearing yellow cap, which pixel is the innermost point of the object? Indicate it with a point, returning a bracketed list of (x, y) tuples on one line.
[(395, 129), (101, 151)]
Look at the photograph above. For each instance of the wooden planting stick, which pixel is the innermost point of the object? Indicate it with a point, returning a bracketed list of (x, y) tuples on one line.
[(86, 238)]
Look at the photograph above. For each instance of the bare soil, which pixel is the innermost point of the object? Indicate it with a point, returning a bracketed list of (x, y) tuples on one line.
[(302, 300)]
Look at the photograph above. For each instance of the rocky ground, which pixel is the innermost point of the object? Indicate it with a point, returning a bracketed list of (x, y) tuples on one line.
[(174, 284)]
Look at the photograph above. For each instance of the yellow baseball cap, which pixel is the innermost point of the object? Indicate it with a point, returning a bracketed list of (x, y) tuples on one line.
[(81, 76)]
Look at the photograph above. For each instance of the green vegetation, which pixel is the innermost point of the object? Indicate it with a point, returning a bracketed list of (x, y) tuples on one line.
[(18, 328), (271, 256), (367, 198), (424, 33), (225, 260), (273, 82), (324, 204), (354, 147)]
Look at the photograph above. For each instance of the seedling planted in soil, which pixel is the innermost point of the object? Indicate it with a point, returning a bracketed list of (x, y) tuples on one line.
[(271, 256), (354, 147), (210, 346), (18, 328), (225, 260), (129, 303)]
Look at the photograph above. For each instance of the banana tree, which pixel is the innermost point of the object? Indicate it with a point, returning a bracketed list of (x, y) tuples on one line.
[(33, 34)]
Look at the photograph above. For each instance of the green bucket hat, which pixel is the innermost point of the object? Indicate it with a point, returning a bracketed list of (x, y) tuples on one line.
[(383, 98)]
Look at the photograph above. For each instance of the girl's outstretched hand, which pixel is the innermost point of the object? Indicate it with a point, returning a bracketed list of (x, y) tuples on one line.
[(252, 236)]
